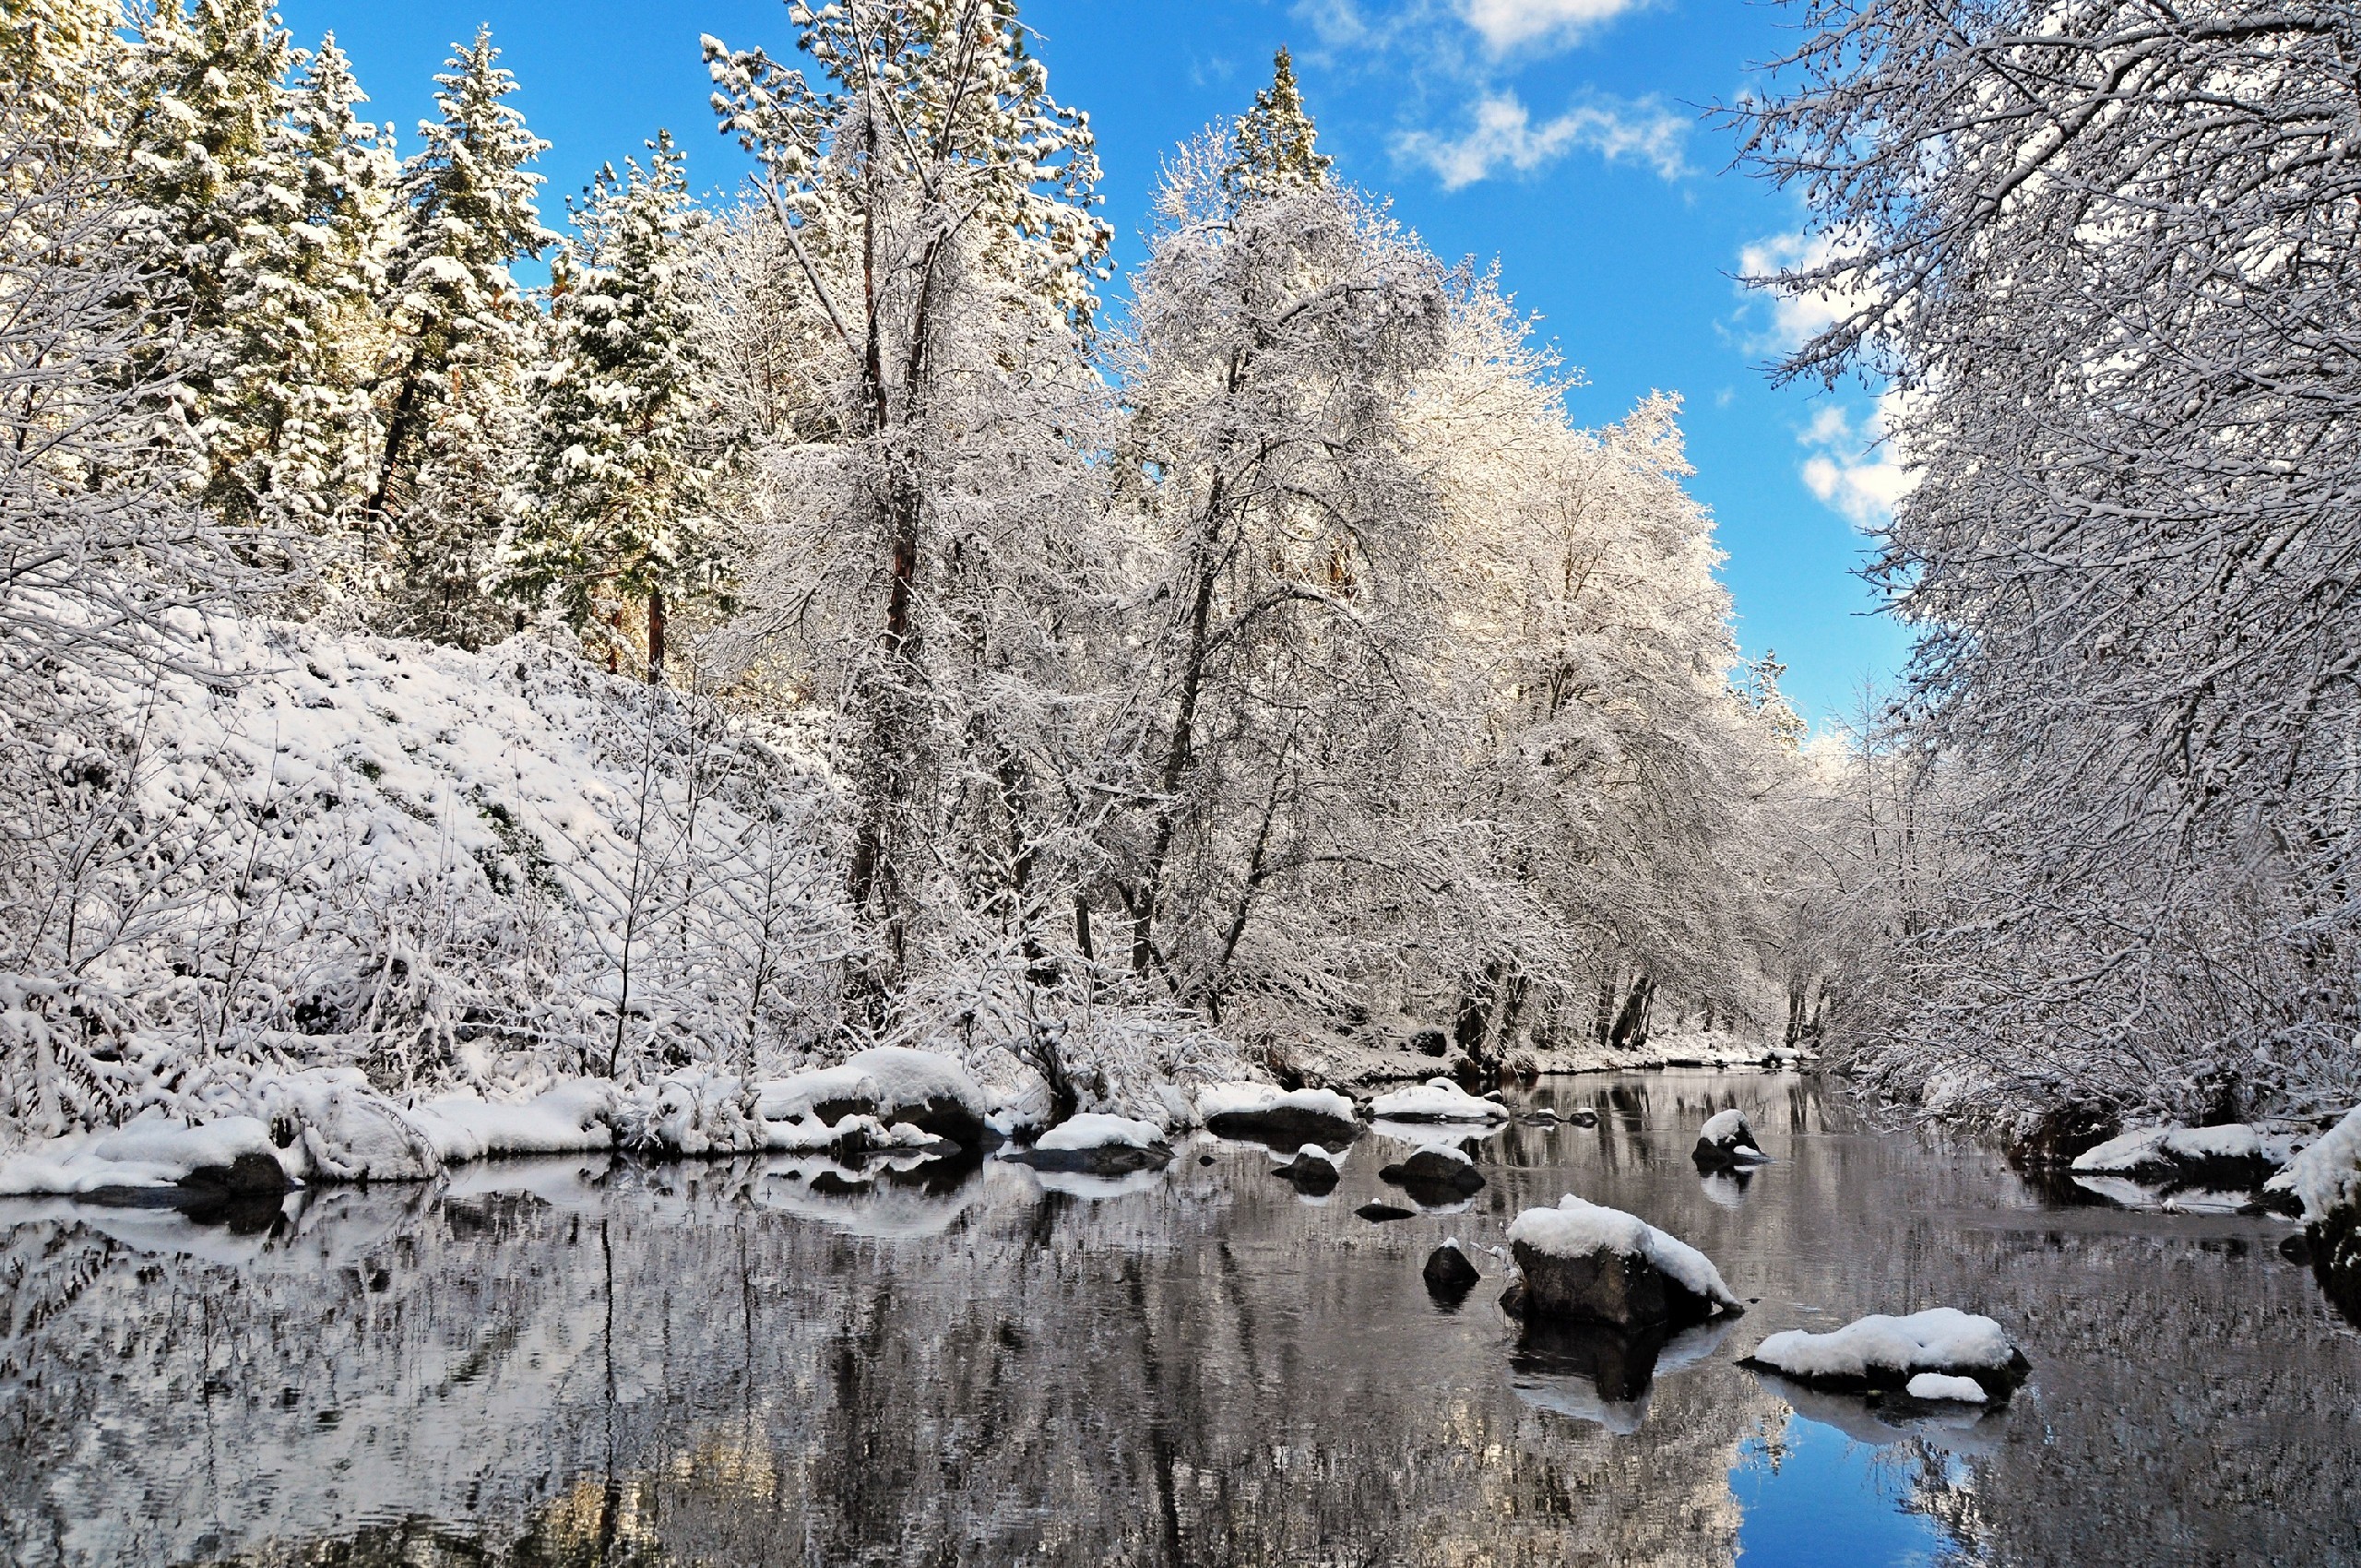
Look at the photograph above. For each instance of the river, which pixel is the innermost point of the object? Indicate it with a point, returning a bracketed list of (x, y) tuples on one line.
[(755, 1362)]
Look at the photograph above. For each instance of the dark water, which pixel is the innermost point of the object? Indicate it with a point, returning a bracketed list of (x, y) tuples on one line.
[(578, 1362)]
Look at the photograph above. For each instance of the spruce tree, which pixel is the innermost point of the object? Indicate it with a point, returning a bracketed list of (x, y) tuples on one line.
[(630, 434), (454, 398), (1275, 145), (290, 425)]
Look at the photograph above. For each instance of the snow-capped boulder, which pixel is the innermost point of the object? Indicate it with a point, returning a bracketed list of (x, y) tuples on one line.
[(2325, 1179), (1582, 1262), (1284, 1119), (1581, 1116), (1437, 1099), (1934, 1386), (154, 1159), (1097, 1144), (1434, 1175), (1313, 1169), (2230, 1159), (1879, 1353), (1726, 1142), (888, 1083), (1448, 1274)]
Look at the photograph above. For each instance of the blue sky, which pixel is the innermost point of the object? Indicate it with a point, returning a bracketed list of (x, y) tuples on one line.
[(1562, 137)]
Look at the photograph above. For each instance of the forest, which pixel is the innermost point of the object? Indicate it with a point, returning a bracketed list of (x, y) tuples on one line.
[(847, 615)]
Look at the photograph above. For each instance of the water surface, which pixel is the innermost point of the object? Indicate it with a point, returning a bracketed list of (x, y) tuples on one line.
[(761, 1362)]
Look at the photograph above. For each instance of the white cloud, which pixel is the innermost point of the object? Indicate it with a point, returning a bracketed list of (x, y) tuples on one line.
[(1860, 471), (1796, 319), (1507, 23), (1505, 137)]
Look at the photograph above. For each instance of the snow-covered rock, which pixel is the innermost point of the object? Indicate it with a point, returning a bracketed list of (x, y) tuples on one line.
[(1435, 1174), (1591, 1264), (1448, 1274), (1437, 1099), (1881, 1352), (332, 1125), (575, 1117), (1097, 1144), (1726, 1142), (1282, 1118), (2228, 1157), (2326, 1176), (153, 1153), (888, 1084), (1313, 1169)]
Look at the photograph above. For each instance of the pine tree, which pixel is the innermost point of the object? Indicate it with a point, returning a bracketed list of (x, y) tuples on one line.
[(629, 437), (289, 424), (454, 398), (207, 93), (1274, 145)]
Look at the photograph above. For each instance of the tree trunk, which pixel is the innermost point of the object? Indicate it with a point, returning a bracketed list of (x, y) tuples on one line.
[(655, 636), (1630, 1027)]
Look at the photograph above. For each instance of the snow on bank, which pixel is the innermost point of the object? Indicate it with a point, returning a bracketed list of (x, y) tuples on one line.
[(2327, 1176), (1437, 1099), (153, 1151), (1881, 1350), (1577, 1229)]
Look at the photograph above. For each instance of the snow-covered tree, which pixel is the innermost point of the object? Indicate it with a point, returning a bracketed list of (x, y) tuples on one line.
[(939, 210), (453, 396), (632, 438), (2104, 250), (1275, 145)]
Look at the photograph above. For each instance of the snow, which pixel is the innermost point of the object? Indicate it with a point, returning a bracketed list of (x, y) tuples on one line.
[(1725, 1125), (154, 1150), (574, 1118), (2146, 1146), (1220, 1100), (1939, 1339), (1093, 1130), (1576, 1229), (891, 1078), (1437, 1099), (1936, 1386), (1313, 1151), (2327, 1176)]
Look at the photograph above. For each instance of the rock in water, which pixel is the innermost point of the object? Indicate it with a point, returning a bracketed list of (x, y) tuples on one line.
[(1449, 1276), (1313, 1171), (1097, 1144), (1435, 1176), (1585, 1263), (1378, 1214), (1881, 1353), (1261, 1111), (1581, 1116), (1726, 1142)]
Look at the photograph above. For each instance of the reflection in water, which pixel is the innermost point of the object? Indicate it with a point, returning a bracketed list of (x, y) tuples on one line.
[(795, 1362)]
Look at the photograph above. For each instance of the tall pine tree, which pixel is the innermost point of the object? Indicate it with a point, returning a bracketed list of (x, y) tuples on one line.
[(630, 435), (453, 397), (1275, 145)]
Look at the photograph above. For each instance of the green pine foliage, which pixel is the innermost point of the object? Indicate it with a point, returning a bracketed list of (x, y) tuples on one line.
[(453, 395), (1275, 144), (632, 436)]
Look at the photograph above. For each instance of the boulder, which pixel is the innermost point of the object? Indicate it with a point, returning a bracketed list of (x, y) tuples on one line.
[(1449, 1276), (1581, 1116), (2236, 1158), (1097, 1144), (1585, 1263), (1435, 1177), (1726, 1142), (1378, 1214), (1882, 1355), (1282, 1119), (888, 1083), (1311, 1171)]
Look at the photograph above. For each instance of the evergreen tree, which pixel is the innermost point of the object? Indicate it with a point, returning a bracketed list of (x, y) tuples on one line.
[(290, 425), (1274, 145), (630, 435), (454, 398)]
